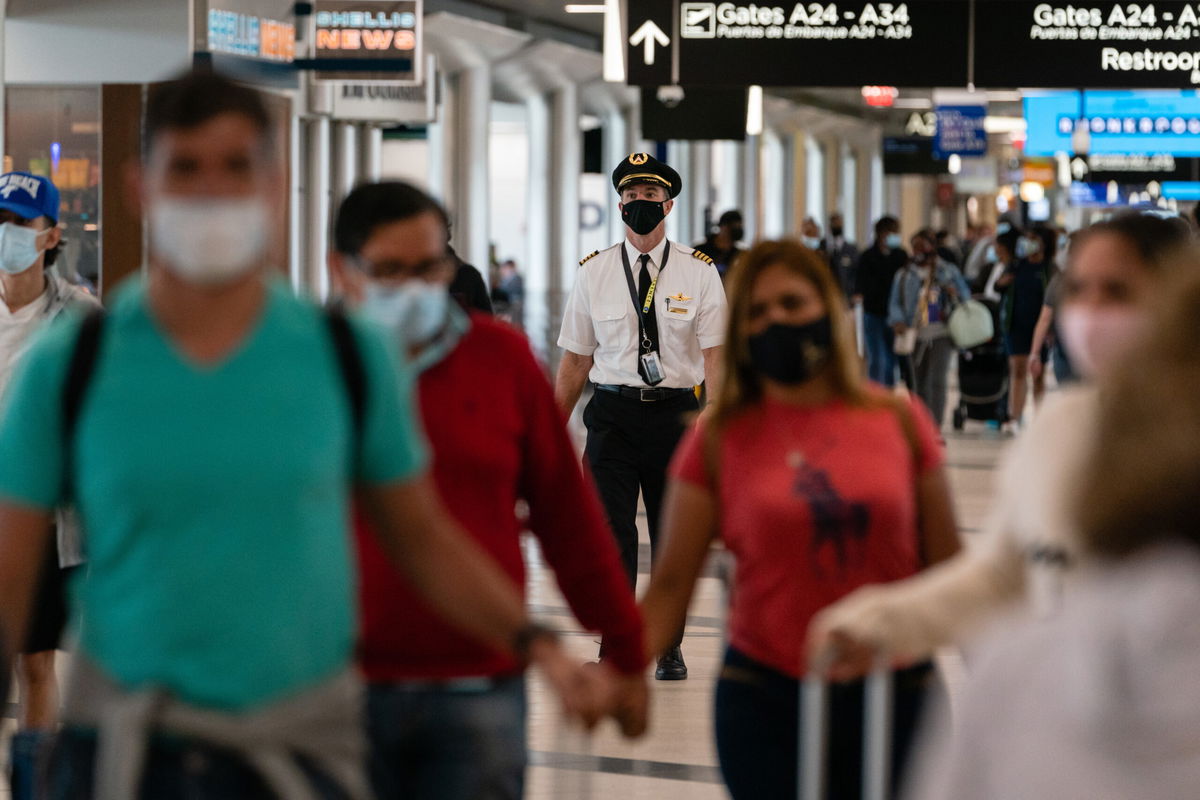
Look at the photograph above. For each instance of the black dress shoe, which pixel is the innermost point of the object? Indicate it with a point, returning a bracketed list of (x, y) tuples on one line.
[(671, 666)]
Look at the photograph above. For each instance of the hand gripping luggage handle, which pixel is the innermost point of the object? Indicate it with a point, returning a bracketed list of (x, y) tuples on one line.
[(814, 731)]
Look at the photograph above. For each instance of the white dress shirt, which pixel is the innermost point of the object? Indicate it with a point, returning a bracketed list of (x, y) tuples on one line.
[(600, 319)]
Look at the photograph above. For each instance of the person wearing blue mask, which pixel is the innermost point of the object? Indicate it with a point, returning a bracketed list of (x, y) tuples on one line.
[(212, 429), (30, 297), (1023, 284), (877, 267), (447, 714)]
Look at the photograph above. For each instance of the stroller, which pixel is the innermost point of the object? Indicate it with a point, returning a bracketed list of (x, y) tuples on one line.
[(983, 378)]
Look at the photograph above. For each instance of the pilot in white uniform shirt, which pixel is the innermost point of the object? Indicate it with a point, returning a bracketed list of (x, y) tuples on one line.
[(644, 325)]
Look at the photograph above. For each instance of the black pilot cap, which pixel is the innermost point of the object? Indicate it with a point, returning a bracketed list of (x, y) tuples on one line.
[(645, 168)]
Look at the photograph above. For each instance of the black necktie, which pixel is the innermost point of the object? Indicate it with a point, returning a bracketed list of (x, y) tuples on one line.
[(650, 318)]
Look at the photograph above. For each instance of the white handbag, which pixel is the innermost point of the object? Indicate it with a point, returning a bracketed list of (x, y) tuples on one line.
[(971, 325), (905, 343)]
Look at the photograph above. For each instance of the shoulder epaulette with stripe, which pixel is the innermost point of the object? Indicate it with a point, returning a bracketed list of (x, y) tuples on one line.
[(706, 259), (588, 258)]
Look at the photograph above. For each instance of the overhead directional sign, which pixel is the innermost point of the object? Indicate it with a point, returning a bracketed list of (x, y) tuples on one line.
[(650, 43), (653, 37), (1101, 45), (849, 43)]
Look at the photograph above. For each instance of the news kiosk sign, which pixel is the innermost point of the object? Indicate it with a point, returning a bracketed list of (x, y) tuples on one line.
[(369, 40), (258, 30), (1101, 45)]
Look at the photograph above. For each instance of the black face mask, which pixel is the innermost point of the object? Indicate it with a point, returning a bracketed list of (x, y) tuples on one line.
[(837, 232), (792, 354), (642, 216), (737, 233)]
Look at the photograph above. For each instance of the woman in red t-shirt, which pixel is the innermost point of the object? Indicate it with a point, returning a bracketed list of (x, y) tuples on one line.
[(818, 483)]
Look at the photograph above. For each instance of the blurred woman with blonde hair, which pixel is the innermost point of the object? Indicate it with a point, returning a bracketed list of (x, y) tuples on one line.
[(818, 483), (1103, 701)]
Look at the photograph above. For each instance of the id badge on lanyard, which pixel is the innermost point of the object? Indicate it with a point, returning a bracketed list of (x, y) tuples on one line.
[(651, 362)]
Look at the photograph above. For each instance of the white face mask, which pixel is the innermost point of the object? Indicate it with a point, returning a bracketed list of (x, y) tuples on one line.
[(18, 247), (1096, 339), (210, 241), (415, 311)]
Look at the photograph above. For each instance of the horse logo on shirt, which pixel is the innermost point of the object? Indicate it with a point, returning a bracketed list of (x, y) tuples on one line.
[(837, 523)]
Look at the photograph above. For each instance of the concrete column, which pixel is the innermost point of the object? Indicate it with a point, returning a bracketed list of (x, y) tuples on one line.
[(344, 161), (370, 153), (790, 196), (537, 269), (678, 223), (470, 154), (849, 187), (441, 141), (878, 184), (617, 144), (752, 187), (799, 175), (727, 177), (833, 183), (297, 222), (317, 152), (3, 93), (700, 187), (565, 156), (774, 171)]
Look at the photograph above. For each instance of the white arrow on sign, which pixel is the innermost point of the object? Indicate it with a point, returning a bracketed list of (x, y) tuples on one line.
[(649, 33)]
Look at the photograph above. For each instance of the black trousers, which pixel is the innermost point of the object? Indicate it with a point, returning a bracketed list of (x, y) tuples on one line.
[(629, 446)]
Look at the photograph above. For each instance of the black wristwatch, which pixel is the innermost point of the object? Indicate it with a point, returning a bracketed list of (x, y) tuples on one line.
[(530, 632)]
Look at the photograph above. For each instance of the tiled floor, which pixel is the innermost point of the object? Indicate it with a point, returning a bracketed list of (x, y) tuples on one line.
[(676, 758)]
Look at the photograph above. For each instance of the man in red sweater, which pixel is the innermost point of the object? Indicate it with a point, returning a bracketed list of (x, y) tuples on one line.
[(447, 713)]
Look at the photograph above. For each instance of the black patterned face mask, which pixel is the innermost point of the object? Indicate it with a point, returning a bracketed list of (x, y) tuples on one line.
[(792, 354)]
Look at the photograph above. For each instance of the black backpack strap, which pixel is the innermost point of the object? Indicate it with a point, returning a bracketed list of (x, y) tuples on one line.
[(75, 385), (354, 372)]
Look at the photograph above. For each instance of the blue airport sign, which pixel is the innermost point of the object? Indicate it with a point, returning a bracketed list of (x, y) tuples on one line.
[(961, 131), (1119, 122)]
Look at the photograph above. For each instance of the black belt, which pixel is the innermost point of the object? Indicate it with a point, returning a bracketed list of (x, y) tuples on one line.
[(644, 395)]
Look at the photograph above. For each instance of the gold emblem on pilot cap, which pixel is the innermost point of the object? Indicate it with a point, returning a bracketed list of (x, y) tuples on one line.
[(637, 159)]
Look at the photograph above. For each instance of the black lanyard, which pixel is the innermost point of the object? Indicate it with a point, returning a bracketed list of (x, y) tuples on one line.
[(641, 309)]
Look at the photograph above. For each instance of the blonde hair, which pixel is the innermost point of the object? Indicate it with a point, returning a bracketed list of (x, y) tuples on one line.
[(1140, 485), (740, 385)]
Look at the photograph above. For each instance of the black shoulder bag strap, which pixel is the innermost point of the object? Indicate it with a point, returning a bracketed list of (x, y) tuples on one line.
[(354, 372), (75, 386)]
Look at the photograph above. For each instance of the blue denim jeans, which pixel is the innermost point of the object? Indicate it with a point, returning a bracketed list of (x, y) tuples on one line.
[(175, 768), (441, 742), (881, 360)]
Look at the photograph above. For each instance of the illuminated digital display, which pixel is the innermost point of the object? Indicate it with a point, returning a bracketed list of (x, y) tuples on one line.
[(1105, 45), (1135, 123), (250, 36), (375, 30)]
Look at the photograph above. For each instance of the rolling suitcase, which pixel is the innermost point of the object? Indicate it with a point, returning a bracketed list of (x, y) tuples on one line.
[(877, 738)]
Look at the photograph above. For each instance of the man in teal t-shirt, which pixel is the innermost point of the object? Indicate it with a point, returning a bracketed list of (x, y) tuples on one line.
[(212, 464)]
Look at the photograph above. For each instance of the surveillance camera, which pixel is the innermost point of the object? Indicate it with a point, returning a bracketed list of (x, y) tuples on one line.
[(670, 96)]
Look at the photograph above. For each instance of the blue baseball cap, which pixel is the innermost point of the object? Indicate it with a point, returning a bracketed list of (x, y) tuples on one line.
[(29, 196)]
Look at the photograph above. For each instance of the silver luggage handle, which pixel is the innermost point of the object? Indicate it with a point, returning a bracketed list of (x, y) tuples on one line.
[(877, 730)]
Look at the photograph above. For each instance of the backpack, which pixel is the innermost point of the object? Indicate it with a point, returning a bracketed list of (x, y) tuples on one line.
[(87, 347)]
